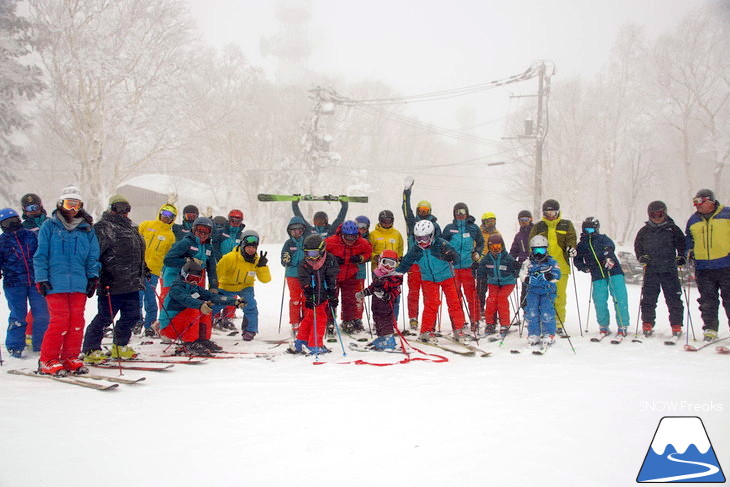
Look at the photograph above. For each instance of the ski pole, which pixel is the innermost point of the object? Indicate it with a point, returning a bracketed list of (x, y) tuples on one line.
[(508, 328), (114, 329), (339, 335), (561, 324), (577, 304), (689, 314), (590, 300), (462, 299), (641, 298), (281, 308)]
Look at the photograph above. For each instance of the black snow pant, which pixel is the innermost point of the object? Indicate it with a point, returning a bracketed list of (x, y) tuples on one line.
[(383, 316), (709, 282), (668, 282)]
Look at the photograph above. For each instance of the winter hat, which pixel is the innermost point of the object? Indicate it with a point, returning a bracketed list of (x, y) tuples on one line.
[(524, 214), (70, 193), (551, 205), (30, 199), (706, 193), (656, 206), (117, 198)]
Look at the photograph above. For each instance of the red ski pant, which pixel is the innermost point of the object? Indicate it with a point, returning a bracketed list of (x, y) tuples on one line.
[(468, 289), (432, 301), (498, 303), (414, 291), (189, 325), (296, 300), (358, 306), (313, 325), (348, 288), (65, 332)]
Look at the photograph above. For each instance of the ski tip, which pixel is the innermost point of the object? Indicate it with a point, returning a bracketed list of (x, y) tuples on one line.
[(515, 351), (690, 348), (636, 340)]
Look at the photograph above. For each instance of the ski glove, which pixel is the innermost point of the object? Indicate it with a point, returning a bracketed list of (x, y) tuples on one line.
[(408, 183), (571, 252), (609, 263), (333, 302), (356, 259), (475, 256), (359, 296), (43, 287), (147, 274), (91, 286), (240, 303), (681, 261), (205, 308), (263, 260), (286, 257), (644, 259), (549, 276)]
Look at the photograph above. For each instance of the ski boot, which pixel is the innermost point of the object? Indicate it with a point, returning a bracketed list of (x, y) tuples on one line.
[(604, 331), (95, 357), (648, 329), (248, 335), (561, 332), (490, 329), (547, 340), (534, 340), (16, 353), (413, 323), (385, 342), (75, 366), (460, 336), (621, 332), (710, 335), (503, 330), (209, 345), (475, 327), (137, 330), (52, 367), (193, 349), (348, 327), (676, 330), (123, 352), (428, 337), (296, 347), (150, 332), (357, 326)]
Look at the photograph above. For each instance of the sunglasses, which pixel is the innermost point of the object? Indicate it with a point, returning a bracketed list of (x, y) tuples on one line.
[(525, 219), (539, 250), (388, 262), (656, 214), (72, 205), (167, 214), (699, 200), (32, 207), (312, 254), (460, 211)]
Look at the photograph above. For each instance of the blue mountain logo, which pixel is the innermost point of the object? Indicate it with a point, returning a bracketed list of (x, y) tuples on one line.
[(681, 452)]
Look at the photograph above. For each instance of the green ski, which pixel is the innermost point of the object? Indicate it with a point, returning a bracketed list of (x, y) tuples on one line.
[(310, 197)]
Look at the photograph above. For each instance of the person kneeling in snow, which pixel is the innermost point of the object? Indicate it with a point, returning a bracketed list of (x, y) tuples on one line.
[(237, 271), (187, 309), (384, 289), (540, 273), (318, 279)]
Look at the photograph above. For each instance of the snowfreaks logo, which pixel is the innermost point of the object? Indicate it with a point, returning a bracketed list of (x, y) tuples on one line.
[(681, 452)]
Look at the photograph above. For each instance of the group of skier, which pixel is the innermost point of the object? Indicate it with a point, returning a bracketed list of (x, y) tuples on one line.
[(55, 263)]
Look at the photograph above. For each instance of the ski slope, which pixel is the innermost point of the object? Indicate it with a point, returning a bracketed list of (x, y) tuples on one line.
[(565, 418)]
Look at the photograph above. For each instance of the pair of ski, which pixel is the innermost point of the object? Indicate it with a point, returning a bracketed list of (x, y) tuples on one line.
[(718, 348), (615, 339), (82, 380), (456, 347), (542, 350), (146, 364), (311, 197)]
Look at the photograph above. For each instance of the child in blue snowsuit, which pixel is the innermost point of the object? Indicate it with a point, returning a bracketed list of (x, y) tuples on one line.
[(17, 246), (540, 273), (595, 254)]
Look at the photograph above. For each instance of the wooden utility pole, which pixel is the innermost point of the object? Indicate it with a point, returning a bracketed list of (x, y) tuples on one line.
[(539, 140)]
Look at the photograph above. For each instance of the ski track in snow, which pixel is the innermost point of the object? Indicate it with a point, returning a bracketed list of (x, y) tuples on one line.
[(711, 469), (505, 420)]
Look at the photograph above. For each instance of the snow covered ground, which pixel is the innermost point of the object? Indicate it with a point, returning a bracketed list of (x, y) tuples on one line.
[(583, 418)]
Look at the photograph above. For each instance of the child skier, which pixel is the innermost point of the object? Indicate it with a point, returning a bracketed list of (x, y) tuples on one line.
[(595, 254), (292, 254), (237, 272), (318, 279), (187, 309), (540, 273), (17, 246), (497, 268), (434, 256), (385, 289)]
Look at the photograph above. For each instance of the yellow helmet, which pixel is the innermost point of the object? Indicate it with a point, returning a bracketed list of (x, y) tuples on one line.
[(489, 214)]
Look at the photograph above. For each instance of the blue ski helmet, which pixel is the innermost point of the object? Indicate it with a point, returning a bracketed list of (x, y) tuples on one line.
[(6, 213), (349, 228), (363, 220)]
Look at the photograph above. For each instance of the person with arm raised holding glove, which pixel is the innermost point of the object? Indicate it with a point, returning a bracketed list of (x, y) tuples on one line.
[(562, 240), (237, 272), (660, 248), (595, 255)]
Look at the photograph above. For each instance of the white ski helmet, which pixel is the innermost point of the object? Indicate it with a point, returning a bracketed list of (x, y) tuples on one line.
[(538, 241), (423, 231), (538, 248)]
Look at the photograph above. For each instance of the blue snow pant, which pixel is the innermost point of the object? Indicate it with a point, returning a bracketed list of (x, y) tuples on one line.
[(616, 285), (540, 313), (148, 297), (127, 305), (18, 299), (250, 312)]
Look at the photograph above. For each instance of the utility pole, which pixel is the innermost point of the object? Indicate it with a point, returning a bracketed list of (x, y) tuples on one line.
[(539, 141)]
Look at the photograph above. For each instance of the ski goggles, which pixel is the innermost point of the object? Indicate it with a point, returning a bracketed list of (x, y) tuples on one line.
[(193, 278), (423, 240), (312, 254), (167, 214), (250, 240), (524, 219), (550, 214), (190, 216), (698, 200), (497, 247), (386, 221), (296, 230), (72, 205), (350, 237), (201, 231), (235, 219), (539, 250), (363, 225), (423, 210), (656, 214), (589, 230), (121, 207), (32, 208), (388, 262), (460, 211)]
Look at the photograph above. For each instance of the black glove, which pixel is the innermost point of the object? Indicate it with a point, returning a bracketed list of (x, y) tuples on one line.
[(681, 261), (147, 274), (263, 260), (103, 290), (644, 259), (43, 287), (340, 260), (240, 303), (571, 251), (449, 256), (356, 259), (91, 286), (549, 276), (474, 266), (309, 302), (332, 303)]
